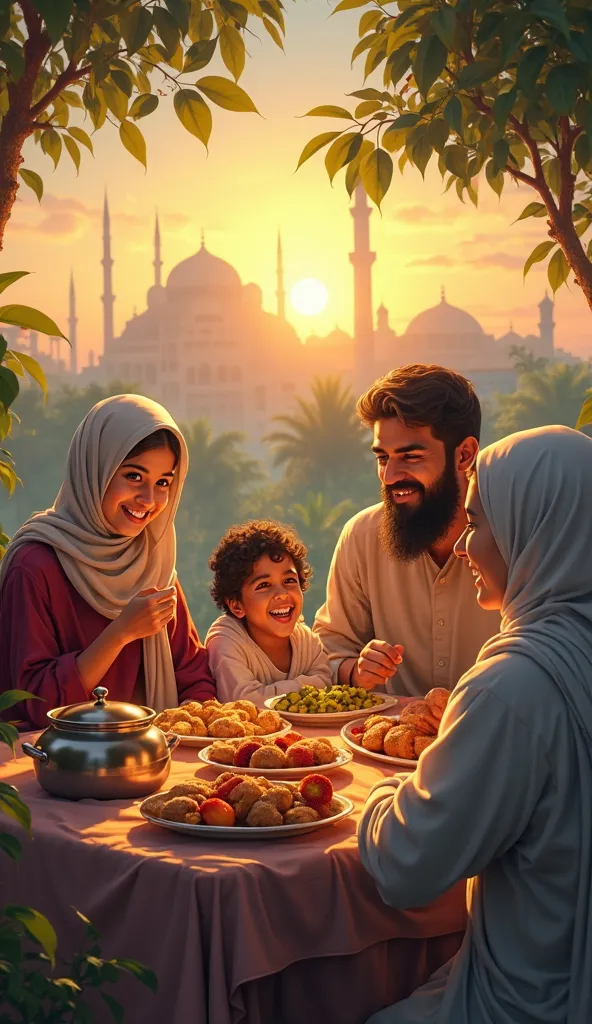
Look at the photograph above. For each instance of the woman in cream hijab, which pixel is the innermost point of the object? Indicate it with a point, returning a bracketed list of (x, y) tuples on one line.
[(503, 797), (88, 589)]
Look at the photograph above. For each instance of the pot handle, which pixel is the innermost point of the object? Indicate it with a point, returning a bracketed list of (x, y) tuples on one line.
[(35, 753), (172, 741)]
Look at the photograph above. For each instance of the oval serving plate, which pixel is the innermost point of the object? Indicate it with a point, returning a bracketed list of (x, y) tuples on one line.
[(346, 736), (206, 741), (335, 717), (238, 832), (345, 756)]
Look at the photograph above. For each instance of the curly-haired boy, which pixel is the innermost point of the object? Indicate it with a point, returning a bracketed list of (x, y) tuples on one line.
[(260, 646)]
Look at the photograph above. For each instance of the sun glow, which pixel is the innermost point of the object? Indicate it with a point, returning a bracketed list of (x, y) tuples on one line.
[(309, 296)]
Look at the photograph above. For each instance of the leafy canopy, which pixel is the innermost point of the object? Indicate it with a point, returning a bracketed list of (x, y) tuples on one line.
[(482, 88)]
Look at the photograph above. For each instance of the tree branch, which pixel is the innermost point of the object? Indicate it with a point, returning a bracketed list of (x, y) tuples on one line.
[(31, 17), (70, 75)]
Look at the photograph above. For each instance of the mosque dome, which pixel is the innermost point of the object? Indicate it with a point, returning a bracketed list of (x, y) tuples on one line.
[(203, 271), (443, 319)]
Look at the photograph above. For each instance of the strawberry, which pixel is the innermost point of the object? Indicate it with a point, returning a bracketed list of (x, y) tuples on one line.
[(358, 730), (244, 752), (225, 789), (316, 790), (283, 742), (300, 755)]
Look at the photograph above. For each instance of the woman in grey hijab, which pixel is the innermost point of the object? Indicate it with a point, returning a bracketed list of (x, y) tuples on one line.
[(503, 797)]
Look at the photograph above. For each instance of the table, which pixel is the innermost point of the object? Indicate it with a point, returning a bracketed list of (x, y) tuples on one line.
[(244, 932)]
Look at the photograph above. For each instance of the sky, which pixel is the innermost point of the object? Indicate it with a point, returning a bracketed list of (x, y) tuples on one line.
[(244, 190)]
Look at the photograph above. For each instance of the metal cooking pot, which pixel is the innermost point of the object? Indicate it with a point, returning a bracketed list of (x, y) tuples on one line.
[(102, 750)]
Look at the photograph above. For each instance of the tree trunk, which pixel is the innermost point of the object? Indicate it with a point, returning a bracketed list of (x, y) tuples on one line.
[(13, 135), (564, 232)]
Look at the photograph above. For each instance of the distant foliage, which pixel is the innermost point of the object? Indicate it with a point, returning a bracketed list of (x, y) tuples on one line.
[(485, 89), (552, 395)]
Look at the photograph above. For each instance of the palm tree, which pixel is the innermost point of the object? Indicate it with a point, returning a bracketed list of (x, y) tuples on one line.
[(552, 395), (525, 360), (322, 444), (319, 524)]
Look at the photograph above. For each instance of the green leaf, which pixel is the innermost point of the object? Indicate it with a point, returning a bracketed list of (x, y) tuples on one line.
[(501, 152), (9, 478), (538, 254), (271, 30), (115, 99), (200, 54), (529, 69), (330, 111), (179, 10), (453, 114), (33, 180), (438, 132), (421, 153), (11, 697), (376, 172), (51, 144), (56, 15), (143, 974), (369, 21), (167, 29), (552, 12), (11, 846), (226, 94), (11, 803), (582, 151), (12, 55), (503, 106), (73, 151), (143, 105), (348, 5), (532, 210), (80, 135), (404, 121), (342, 152), (30, 319), (232, 50), (9, 386), (585, 417), (36, 372), (135, 28), (38, 927), (367, 94), (558, 270), (429, 62), (367, 107), (122, 81), (9, 278), (193, 113), (444, 25), (133, 140), (455, 160), (478, 72), (352, 173), (315, 144), (561, 87), (117, 1011)]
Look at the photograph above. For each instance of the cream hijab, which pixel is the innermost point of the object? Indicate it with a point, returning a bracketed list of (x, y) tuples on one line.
[(536, 490), (107, 570)]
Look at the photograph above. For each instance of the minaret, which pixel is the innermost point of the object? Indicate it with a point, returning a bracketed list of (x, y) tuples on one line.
[(280, 292), (72, 322), (157, 262), (546, 328), (362, 259), (107, 297)]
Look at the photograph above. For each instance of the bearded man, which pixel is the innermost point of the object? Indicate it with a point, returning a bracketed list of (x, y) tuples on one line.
[(400, 610)]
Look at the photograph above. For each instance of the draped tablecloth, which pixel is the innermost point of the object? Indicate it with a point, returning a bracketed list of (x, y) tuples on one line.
[(247, 932)]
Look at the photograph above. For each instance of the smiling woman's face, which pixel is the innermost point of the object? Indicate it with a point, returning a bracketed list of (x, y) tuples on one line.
[(477, 545), (139, 491)]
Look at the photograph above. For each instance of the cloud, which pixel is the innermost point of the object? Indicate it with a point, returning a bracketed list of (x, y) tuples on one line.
[(432, 261), (418, 214), (502, 260)]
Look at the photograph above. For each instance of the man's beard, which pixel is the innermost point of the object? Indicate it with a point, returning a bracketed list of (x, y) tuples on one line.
[(406, 531)]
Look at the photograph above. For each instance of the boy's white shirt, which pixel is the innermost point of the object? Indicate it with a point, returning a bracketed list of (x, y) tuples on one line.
[(244, 672)]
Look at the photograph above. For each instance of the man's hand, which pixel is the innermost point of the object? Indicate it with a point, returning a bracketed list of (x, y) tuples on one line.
[(376, 663)]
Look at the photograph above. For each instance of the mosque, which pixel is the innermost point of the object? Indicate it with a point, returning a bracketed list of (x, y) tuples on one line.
[(205, 347)]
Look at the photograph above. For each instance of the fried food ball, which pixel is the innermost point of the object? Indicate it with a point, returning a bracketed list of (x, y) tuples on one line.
[(194, 788), (229, 727), (193, 819), (400, 742), (244, 796), (179, 715), (437, 699), (263, 782), (249, 728), (281, 798), (268, 757), (258, 731), (248, 706), (178, 807), (198, 728), (418, 715), (373, 737), (163, 720), (263, 814), (331, 809), (181, 728), (421, 742), (211, 703), (324, 752), (224, 777), (375, 719), (269, 721), (228, 712), (300, 814), (192, 706), (153, 805), (221, 753)]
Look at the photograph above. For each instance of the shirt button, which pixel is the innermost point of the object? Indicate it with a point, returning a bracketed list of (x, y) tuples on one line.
[(440, 622), (442, 579), (441, 664)]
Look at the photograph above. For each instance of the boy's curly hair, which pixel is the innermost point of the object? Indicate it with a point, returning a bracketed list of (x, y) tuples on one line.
[(233, 560)]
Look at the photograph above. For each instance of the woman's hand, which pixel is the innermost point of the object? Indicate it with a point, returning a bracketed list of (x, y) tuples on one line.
[(146, 614)]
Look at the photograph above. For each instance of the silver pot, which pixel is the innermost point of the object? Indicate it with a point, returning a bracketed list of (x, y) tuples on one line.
[(102, 750)]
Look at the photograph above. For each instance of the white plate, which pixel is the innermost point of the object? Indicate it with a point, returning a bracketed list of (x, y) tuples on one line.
[(346, 736), (334, 717), (206, 741), (344, 758), (244, 832)]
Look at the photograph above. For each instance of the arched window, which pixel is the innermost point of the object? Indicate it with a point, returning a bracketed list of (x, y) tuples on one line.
[(204, 375)]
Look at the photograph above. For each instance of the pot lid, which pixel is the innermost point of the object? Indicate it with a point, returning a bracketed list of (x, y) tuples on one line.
[(101, 713)]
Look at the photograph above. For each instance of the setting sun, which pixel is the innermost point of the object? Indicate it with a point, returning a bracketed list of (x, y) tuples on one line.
[(309, 296)]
